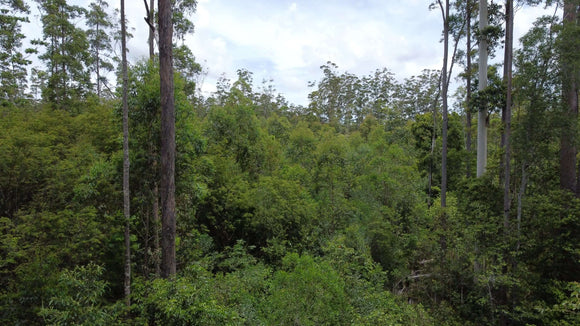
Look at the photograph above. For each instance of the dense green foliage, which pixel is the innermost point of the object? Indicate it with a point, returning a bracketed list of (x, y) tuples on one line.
[(287, 215)]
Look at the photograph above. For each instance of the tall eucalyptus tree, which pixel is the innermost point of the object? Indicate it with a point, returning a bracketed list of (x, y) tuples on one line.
[(167, 186), (570, 62), (506, 110), (469, 11), (482, 114), (152, 161), (453, 25), (126, 162), (444, 91)]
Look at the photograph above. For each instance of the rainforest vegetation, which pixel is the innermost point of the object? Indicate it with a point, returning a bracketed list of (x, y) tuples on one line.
[(364, 207)]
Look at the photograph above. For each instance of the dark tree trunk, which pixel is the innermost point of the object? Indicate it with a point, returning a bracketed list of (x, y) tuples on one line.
[(505, 144), (156, 223), (506, 111), (570, 98), (167, 187), (153, 153), (155, 204), (126, 193), (482, 114)]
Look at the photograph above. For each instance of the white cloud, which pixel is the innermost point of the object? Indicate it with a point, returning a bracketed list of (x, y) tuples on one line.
[(297, 37)]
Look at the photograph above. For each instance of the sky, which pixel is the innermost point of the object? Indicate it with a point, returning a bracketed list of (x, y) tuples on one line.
[(287, 41)]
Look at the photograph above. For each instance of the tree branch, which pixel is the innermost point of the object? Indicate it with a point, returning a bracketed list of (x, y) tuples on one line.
[(147, 20), (442, 10), (146, 8)]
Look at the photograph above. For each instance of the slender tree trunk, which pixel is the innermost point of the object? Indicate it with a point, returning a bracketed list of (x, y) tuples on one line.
[(506, 116), (156, 220), (468, 95), (156, 224), (98, 70), (521, 193), (445, 15), (433, 142), (126, 193), (570, 97), (168, 221), (444, 89), (63, 77), (482, 114), (152, 29), (505, 144), (432, 154)]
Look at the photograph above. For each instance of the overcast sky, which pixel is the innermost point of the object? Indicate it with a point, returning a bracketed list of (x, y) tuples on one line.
[(288, 41)]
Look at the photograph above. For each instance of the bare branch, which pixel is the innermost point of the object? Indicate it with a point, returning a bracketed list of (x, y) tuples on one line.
[(147, 20)]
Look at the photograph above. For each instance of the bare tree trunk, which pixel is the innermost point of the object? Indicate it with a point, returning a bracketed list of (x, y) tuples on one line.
[(482, 115), (521, 193), (468, 89), (444, 71), (433, 142), (155, 252), (98, 70), (570, 96), (156, 220), (126, 163), (168, 221), (442, 90), (506, 116), (156, 224), (505, 144)]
